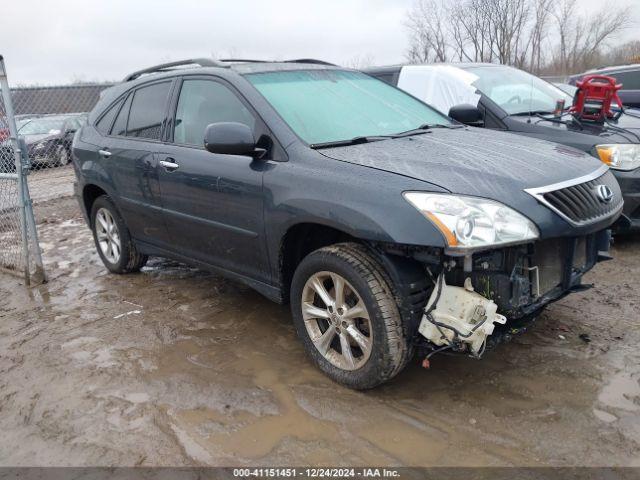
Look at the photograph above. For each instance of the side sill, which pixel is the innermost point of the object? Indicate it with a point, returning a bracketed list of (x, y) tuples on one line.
[(272, 293)]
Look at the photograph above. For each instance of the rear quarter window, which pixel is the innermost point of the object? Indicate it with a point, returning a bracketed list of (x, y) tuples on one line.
[(104, 124), (120, 126)]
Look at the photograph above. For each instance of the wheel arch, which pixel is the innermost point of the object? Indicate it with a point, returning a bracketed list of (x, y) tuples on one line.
[(300, 240), (408, 275), (90, 193)]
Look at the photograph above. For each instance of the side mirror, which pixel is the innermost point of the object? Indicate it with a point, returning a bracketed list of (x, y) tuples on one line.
[(467, 114), (231, 138)]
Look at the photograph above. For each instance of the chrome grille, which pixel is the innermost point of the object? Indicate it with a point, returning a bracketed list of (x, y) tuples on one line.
[(577, 201)]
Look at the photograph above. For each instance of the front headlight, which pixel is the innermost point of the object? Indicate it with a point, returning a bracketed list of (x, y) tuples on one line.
[(625, 156), (471, 222)]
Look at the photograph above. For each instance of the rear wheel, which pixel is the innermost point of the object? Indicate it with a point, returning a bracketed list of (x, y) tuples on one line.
[(346, 315), (113, 241)]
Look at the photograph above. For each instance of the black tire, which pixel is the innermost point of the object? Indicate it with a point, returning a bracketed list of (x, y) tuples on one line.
[(63, 157), (130, 260), (391, 349)]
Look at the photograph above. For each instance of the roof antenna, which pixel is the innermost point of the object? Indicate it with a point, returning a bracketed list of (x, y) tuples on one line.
[(530, 99)]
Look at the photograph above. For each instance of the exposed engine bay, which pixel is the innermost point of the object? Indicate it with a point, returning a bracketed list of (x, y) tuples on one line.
[(476, 296)]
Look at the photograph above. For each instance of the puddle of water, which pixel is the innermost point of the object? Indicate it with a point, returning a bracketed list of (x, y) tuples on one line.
[(604, 416), (621, 391)]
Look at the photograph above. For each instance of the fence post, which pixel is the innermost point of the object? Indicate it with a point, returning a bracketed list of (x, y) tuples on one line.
[(27, 221)]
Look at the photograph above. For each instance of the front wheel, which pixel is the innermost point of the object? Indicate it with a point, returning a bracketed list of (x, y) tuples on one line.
[(63, 157), (345, 313)]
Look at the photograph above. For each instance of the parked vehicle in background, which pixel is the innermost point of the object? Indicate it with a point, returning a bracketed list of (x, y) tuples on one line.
[(348, 198), (627, 75), (505, 98), (49, 137), (567, 88), (4, 129)]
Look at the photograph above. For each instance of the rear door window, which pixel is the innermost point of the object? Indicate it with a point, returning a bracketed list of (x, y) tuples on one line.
[(148, 111), (203, 102)]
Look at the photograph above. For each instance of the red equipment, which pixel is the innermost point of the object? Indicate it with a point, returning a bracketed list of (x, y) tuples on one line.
[(594, 96)]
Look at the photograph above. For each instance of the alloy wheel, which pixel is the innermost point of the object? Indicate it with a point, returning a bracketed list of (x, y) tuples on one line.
[(107, 235), (337, 320)]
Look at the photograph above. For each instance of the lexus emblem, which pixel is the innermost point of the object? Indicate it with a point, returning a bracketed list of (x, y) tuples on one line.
[(604, 193)]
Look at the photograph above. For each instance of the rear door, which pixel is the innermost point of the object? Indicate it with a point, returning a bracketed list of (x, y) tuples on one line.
[(129, 155), (213, 203)]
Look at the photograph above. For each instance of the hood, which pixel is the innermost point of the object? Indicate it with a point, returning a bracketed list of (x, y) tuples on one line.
[(472, 161), (585, 135), (31, 139)]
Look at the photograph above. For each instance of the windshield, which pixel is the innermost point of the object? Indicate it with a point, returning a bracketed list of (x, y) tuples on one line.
[(41, 126), (518, 92), (331, 105)]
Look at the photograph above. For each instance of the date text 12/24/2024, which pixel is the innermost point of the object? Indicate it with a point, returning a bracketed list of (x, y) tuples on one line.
[(316, 473)]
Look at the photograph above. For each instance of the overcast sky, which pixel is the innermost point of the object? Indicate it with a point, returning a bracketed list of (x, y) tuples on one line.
[(64, 40)]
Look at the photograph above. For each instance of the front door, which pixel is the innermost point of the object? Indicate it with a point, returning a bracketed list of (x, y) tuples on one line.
[(213, 203)]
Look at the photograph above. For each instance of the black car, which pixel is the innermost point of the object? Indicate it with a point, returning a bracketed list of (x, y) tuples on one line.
[(513, 100), (385, 224), (627, 75), (49, 138)]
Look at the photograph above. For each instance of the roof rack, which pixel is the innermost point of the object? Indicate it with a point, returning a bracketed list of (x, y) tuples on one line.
[(299, 60), (312, 61), (210, 62), (164, 67), (242, 60)]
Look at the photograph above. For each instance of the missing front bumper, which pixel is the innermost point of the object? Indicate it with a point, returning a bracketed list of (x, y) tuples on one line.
[(524, 278), (518, 281)]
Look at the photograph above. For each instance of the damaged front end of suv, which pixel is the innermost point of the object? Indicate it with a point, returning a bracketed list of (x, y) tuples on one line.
[(516, 235), (495, 261)]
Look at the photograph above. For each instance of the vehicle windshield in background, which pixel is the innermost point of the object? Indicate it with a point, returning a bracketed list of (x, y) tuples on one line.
[(324, 106), (518, 92), (42, 126)]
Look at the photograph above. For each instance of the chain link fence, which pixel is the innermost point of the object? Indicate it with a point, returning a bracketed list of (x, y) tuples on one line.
[(17, 226), (47, 117), (37, 126)]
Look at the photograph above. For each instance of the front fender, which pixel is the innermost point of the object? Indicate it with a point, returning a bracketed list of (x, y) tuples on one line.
[(362, 202)]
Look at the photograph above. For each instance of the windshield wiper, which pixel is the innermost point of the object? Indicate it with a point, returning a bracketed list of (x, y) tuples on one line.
[(424, 128), (532, 113), (351, 141), (442, 125)]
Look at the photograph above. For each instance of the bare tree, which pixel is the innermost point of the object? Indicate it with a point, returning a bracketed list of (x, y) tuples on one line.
[(626, 53), (583, 38), (359, 62), (513, 32), (470, 25), (507, 21), (427, 23), (538, 31)]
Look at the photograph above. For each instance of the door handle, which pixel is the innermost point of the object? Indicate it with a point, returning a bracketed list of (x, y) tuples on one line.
[(169, 164), (104, 153)]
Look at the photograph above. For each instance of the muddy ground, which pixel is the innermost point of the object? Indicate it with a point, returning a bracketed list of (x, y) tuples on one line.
[(176, 366)]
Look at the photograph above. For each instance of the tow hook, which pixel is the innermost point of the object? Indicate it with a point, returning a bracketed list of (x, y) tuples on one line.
[(458, 318)]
